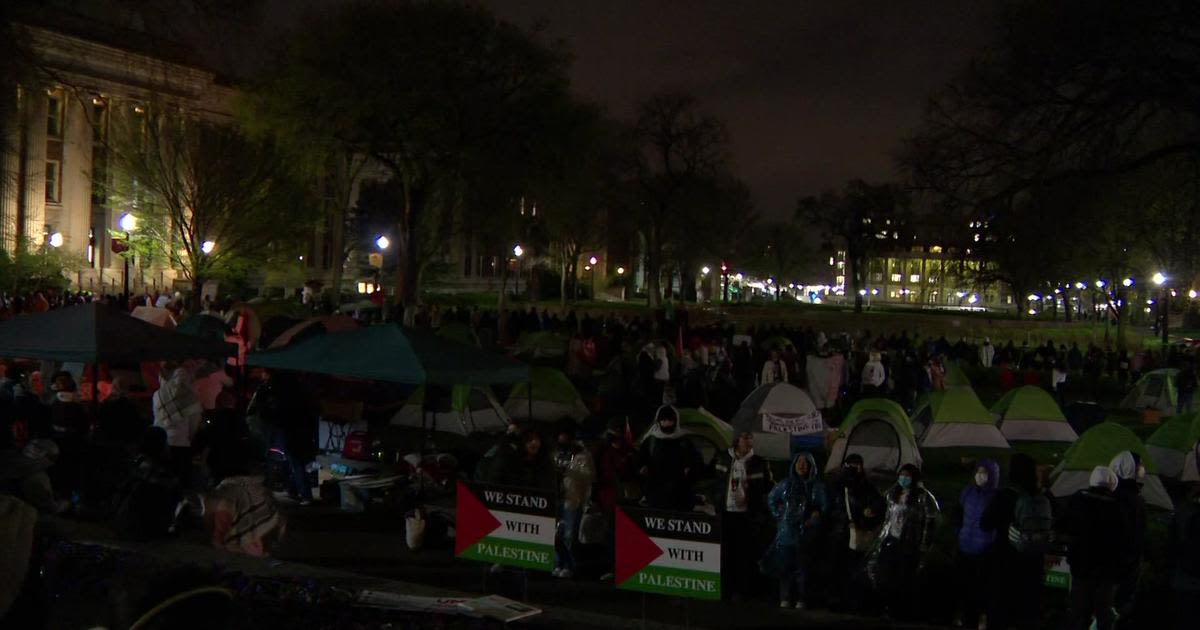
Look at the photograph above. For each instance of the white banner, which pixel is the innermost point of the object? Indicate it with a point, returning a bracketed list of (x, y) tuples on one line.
[(793, 425)]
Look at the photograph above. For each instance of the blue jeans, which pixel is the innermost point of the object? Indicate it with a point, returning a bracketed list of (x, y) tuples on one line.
[(565, 537)]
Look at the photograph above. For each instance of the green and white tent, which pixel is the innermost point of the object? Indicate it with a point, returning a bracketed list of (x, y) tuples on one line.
[(773, 413), (1154, 390), (878, 430), (1170, 445), (1097, 447), (709, 433), (958, 419), (955, 378), (467, 409), (542, 345), (553, 398), (1030, 413)]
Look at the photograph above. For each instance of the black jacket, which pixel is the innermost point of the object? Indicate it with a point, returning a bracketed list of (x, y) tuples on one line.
[(672, 465), (1095, 531), (861, 495)]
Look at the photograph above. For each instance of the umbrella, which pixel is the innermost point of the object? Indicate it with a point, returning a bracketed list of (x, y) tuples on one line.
[(314, 326), (387, 353), (94, 333), (158, 316), (204, 326)]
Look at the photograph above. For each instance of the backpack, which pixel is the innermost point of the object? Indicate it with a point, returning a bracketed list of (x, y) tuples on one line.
[(1032, 525)]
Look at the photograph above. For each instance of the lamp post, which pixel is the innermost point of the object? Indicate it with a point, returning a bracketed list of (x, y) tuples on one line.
[(518, 251), (591, 267), (128, 223), (621, 273), (724, 282), (1164, 313)]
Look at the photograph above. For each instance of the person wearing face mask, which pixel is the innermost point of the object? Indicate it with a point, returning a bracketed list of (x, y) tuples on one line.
[(573, 462), (798, 504), (906, 539), (668, 465), (1130, 473), (975, 544), (1093, 527), (855, 513), (742, 482)]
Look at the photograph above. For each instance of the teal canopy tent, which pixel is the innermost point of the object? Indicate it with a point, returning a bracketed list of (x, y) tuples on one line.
[(95, 333), (388, 353)]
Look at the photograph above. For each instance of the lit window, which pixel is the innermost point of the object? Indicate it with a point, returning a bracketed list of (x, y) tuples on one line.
[(54, 114), (936, 249), (841, 264), (362, 287), (897, 278), (53, 182), (916, 277), (841, 280), (976, 237), (831, 261)]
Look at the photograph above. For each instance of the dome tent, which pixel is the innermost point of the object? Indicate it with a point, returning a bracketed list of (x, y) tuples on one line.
[(467, 409), (957, 419), (1097, 447), (1030, 413), (773, 413), (955, 378), (1154, 390), (554, 397), (878, 430), (1171, 443)]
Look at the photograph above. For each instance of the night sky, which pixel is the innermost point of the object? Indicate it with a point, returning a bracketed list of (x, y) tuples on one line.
[(814, 93)]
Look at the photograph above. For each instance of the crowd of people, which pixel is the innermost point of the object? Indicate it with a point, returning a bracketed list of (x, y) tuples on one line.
[(202, 458)]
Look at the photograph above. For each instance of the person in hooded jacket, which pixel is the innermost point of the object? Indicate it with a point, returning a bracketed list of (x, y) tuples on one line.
[(1018, 573), (575, 472), (798, 504), (856, 511), (905, 541), (743, 481), (873, 375), (668, 464), (1093, 527), (1130, 473), (975, 544)]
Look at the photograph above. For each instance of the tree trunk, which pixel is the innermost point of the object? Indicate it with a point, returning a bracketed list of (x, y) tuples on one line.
[(653, 269), (1120, 308), (855, 264), (1067, 304), (502, 302), (337, 247), (196, 300), (562, 283)]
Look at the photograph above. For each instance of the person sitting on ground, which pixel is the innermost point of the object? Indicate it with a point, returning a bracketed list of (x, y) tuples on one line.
[(239, 514), (668, 465), (23, 473)]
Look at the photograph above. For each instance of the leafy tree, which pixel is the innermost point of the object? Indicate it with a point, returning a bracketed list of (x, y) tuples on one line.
[(678, 151), (857, 219), (439, 95), (31, 267), (210, 199)]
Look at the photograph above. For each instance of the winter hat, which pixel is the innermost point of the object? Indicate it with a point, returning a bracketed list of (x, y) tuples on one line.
[(1124, 465), (1103, 477)]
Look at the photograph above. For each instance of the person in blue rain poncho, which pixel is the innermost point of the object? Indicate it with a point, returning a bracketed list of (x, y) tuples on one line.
[(798, 504)]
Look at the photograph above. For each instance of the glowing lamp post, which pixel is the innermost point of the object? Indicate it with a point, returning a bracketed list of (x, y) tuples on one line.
[(621, 274), (1159, 280), (591, 269), (518, 251), (127, 223)]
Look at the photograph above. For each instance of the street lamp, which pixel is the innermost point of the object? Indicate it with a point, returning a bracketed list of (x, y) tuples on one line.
[(207, 247), (518, 251), (382, 242), (128, 223), (621, 273), (591, 268), (55, 240), (724, 282), (1163, 307)]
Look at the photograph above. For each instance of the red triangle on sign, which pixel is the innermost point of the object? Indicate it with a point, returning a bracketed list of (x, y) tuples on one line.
[(472, 519), (635, 550)]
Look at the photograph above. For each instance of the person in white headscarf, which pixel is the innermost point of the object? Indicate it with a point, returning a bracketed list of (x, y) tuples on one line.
[(1130, 473), (1093, 529)]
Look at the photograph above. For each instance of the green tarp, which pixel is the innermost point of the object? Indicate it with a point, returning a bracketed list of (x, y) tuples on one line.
[(1029, 402), (94, 333), (1178, 434), (386, 353), (1099, 444)]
